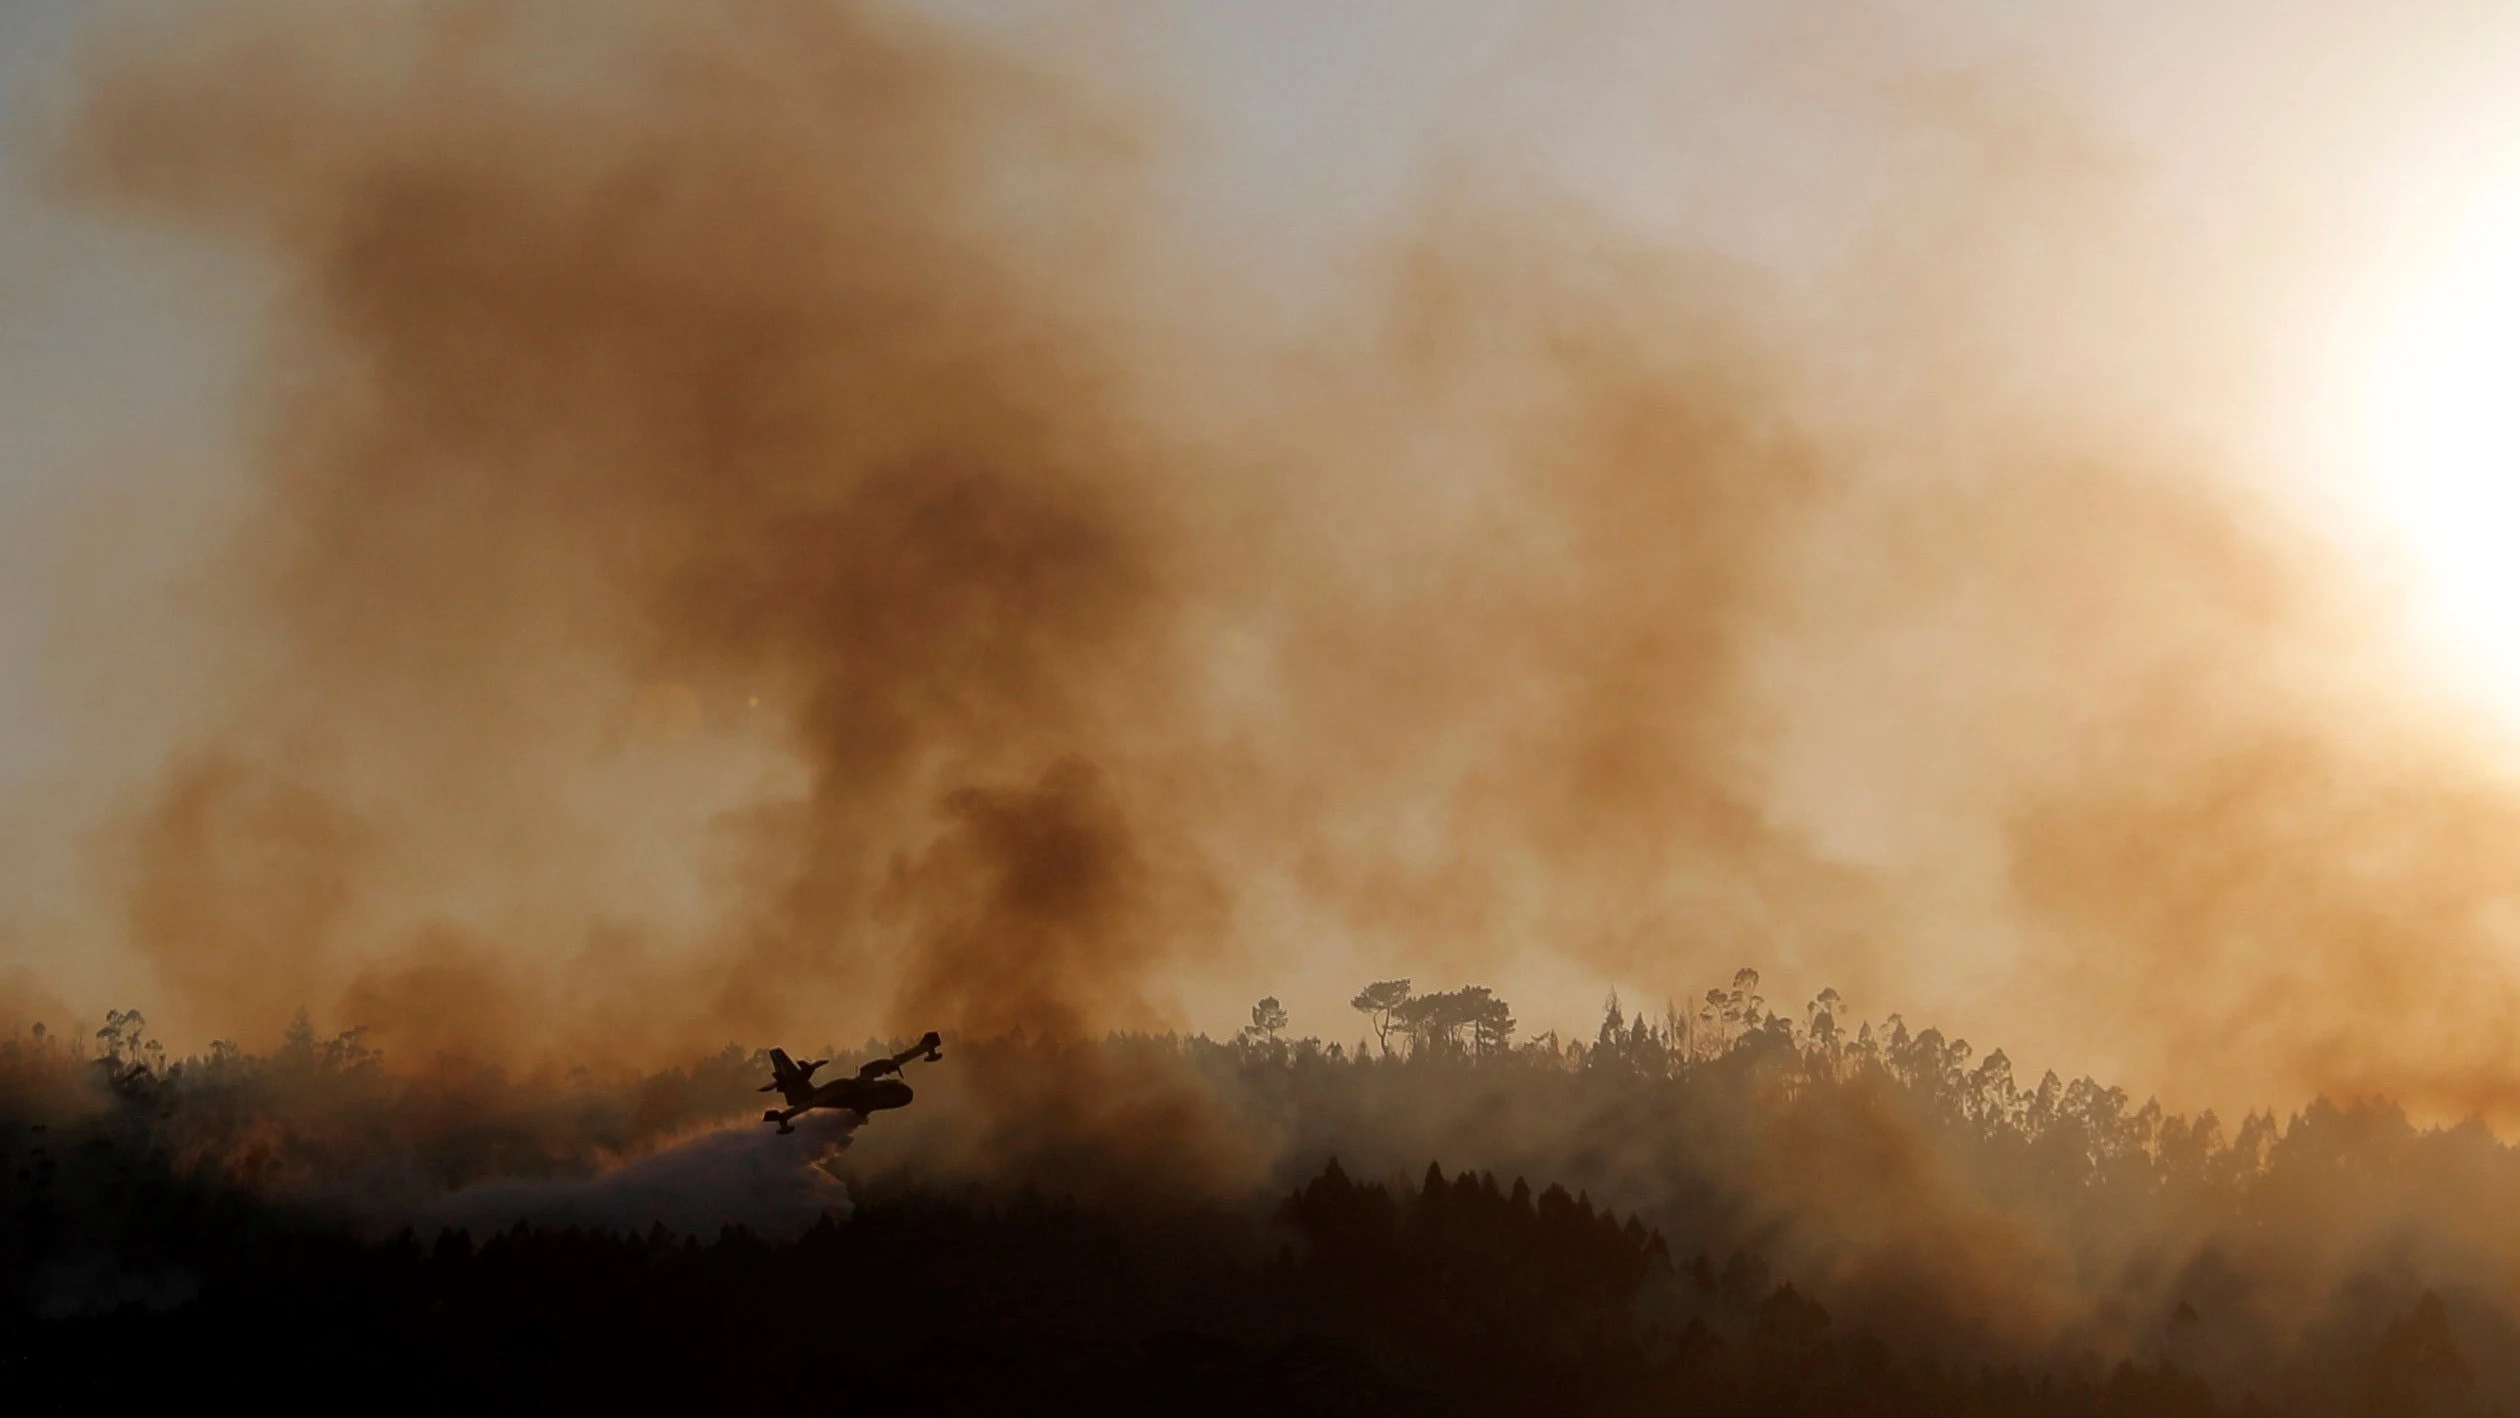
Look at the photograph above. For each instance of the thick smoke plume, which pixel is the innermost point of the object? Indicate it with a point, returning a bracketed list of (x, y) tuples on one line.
[(649, 386), (749, 414)]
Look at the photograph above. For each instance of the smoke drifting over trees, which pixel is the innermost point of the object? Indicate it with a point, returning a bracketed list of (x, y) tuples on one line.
[(769, 518), (1723, 1211)]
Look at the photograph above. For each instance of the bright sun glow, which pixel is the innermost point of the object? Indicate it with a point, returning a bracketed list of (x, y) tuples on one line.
[(2440, 434)]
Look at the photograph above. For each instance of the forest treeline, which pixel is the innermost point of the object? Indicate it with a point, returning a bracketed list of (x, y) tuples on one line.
[(1450, 1297), (1941, 1236)]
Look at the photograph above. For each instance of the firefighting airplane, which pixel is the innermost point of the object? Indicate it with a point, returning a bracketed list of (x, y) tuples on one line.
[(869, 1092)]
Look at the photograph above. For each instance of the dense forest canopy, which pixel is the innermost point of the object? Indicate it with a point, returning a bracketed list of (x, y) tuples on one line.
[(1695, 1203)]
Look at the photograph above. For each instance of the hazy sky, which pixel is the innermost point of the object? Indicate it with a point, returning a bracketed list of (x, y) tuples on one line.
[(1756, 130), (2202, 219)]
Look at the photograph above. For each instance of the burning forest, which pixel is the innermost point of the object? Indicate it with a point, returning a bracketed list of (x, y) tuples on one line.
[(1776, 1208), (537, 541)]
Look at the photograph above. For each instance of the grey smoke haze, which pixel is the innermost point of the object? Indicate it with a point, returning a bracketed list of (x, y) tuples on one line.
[(769, 522)]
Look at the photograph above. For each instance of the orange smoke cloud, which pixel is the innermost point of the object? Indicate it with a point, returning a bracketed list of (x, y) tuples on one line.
[(754, 531)]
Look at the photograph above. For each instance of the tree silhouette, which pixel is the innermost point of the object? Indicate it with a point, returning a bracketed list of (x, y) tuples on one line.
[(1381, 1003), (1491, 1021), (124, 1038), (1267, 1018)]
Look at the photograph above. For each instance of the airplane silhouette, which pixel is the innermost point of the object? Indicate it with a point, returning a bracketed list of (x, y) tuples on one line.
[(869, 1092)]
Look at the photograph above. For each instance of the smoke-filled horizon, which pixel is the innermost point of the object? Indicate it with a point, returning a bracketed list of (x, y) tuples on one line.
[(784, 522)]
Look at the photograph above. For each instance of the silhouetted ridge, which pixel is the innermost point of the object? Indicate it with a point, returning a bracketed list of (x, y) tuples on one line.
[(1453, 1297), (1723, 1207)]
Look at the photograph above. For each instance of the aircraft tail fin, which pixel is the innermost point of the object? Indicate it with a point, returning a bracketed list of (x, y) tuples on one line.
[(790, 1079)]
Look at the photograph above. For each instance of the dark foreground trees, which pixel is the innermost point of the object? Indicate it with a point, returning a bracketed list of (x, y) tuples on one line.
[(1909, 1189), (1453, 1295)]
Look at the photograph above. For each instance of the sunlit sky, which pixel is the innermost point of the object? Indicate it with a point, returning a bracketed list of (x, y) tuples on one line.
[(2317, 273)]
